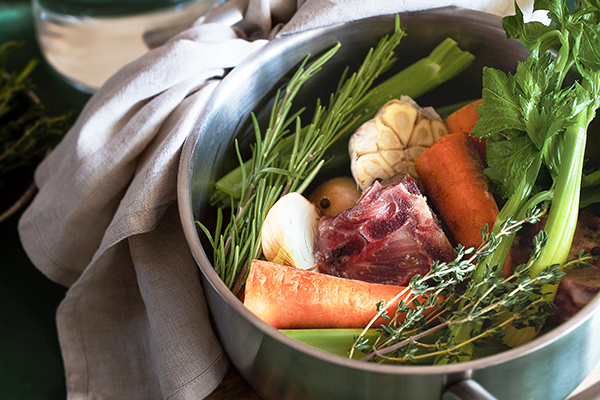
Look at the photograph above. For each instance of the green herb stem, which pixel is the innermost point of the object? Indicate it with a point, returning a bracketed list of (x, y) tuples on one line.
[(445, 62), (562, 218), (272, 172), (531, 119)]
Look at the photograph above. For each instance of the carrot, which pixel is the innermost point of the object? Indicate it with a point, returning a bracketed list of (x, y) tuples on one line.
[(289, 298), (452, 173), (464, 120)]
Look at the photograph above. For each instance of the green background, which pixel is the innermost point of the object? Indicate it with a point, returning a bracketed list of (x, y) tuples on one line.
[(30, 361)]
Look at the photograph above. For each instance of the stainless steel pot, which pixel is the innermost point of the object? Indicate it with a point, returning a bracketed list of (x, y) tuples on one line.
[(278, 367)]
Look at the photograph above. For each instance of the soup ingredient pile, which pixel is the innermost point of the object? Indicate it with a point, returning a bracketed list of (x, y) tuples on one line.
[(283, 163), (448, 301)]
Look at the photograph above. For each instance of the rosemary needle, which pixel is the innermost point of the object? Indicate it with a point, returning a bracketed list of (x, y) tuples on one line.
[(268, 177)]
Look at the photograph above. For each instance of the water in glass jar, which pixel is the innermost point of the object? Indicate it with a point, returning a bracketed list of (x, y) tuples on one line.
[(87, 41)]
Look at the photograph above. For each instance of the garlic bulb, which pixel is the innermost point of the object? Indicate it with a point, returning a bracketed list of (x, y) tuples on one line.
[(391, 142), (288, 232)]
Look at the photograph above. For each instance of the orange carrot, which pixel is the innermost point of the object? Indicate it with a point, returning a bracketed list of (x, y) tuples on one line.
[(289, 298), (464, 120), (452, 173)]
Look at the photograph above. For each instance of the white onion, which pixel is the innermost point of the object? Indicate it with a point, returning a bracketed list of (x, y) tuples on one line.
[(288, 232)]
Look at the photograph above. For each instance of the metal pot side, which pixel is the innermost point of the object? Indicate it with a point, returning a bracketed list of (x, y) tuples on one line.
[(550, 367)]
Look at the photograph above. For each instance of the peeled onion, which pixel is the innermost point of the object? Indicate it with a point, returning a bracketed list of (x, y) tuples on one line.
[(335, 195), (289, 230)]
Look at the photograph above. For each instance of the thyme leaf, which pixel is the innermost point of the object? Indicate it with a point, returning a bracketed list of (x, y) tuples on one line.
[(267, 177), (489, 306), (27, 132)]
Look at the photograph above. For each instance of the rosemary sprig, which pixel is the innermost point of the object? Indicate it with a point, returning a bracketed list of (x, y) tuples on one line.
[(492, 304), (268, 177), (444, 62)]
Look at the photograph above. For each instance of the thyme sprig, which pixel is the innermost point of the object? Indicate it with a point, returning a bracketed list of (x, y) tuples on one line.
[(492, 304), (27, 130), (268, 177)]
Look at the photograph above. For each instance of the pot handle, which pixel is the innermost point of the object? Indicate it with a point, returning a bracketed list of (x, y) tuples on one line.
[(591, 393), (466, 389)]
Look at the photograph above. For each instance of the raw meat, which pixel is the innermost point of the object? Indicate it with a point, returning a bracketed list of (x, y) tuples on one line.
[(389, 236), (578, 287)]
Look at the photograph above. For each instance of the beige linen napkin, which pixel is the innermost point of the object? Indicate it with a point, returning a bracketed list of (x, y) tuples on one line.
[(134, 322)]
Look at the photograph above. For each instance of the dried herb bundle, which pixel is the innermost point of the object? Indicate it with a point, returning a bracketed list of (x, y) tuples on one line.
[(27, 132)]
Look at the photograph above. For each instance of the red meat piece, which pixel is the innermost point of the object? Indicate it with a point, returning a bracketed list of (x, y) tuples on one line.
[(578, 287), (389, 236)]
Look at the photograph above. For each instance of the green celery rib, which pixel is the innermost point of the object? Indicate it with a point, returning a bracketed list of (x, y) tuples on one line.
[(445, 62), (589, 196), (562, 219), (514, 207), (339, 340), (334, 341)]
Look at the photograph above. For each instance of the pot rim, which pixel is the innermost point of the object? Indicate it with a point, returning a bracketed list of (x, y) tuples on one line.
[(205, 266)]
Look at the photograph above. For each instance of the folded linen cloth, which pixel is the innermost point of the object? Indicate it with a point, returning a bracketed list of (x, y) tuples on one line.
[(134, 323)]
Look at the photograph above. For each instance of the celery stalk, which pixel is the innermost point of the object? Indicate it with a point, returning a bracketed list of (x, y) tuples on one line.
[(533, 119), (562, 219), (334, 341), (445, 62)]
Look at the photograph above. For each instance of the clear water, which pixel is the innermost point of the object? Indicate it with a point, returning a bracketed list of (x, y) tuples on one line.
[(87, 50)]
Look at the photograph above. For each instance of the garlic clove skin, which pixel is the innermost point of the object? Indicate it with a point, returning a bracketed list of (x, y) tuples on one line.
[(288, 232), (390, 143)]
